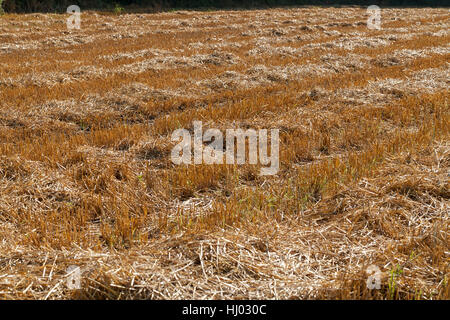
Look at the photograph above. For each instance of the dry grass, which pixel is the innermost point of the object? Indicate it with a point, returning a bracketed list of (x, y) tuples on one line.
[(86, 178)]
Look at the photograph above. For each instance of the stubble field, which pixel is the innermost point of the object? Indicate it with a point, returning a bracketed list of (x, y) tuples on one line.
[(86, 178)]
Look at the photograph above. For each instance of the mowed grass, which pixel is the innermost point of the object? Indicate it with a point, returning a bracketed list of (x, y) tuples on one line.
[(86, 118)]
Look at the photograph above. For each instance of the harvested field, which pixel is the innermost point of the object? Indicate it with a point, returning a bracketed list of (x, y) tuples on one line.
[(86, 177)]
